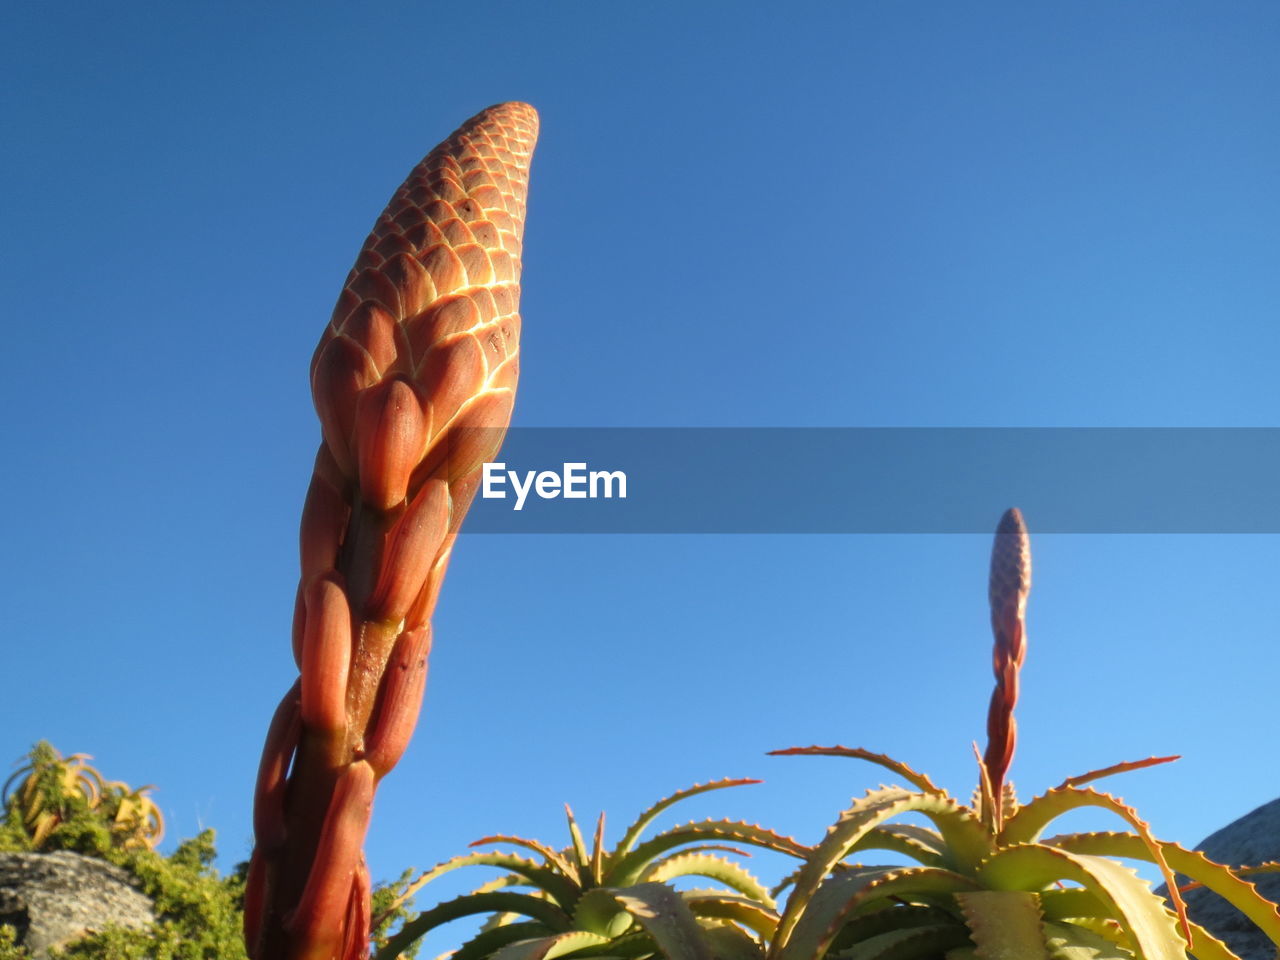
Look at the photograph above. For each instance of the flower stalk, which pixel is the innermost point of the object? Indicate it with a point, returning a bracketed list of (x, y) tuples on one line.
[(1009, 586), (413, 380)]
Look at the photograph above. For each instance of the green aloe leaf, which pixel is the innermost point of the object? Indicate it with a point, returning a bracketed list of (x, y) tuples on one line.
[(1151, 929), (1027, 824), (1004, 924), (1105, 927), (900, 917), (579, 847), (968, 842), (494, 938), (986, 806), (597, 852), (1082, 779), (632, 835), (504, 883), (741, 910), (627, 869), (1257, 869), (787, 881), (496, 902), (911, 943), (923, 845), (687, 864), (552, 856), (917, 780), (665, 916), (562, 890), (633, 943), (1205, 946), (716, 848), (1071, 903), (729, 942), (816, 917), (548, 948), (1070, 942), (821, 915), (599, 912), (1240, 893)]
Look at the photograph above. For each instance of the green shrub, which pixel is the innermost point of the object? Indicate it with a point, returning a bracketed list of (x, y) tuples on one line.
[(63, 804)]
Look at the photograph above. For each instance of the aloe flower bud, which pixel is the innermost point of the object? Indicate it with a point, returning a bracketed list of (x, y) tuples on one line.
[(422, 350)]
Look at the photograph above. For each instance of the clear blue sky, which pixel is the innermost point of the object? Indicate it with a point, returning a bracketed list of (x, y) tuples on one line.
[(843, 214)]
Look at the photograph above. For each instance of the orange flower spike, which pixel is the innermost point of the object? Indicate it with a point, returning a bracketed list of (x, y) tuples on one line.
[(423, 346), (1010, 585)]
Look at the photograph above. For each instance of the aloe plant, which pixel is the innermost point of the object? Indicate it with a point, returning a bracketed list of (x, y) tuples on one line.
[(49, 789), (987, 883), (590, 901), (413, 381), (40, 793)]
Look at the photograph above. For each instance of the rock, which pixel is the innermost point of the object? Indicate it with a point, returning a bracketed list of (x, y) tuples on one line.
[(54, 898), (1251, 840)]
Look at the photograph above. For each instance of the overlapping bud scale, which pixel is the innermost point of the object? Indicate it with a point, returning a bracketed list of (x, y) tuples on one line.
[(413, 380)]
